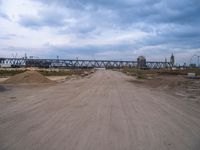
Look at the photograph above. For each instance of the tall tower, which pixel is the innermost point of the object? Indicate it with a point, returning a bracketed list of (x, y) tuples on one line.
[(172, 59), (141, 62)]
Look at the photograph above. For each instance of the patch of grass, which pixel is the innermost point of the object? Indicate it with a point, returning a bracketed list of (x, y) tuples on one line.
[(5, 73), (138, 72), (55, 73), (45, 72), (141, 77), (63, 72)]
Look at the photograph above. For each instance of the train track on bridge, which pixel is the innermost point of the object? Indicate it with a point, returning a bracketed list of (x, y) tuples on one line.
[(75, 63)]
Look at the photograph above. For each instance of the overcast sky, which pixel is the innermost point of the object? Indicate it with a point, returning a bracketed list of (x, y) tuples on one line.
[(100, 29)]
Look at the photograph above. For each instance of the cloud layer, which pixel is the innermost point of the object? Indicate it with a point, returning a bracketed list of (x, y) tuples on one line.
[(101, 29)]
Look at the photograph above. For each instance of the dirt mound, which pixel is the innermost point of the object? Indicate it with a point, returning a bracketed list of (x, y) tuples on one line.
[(161, 81), (28, 77)]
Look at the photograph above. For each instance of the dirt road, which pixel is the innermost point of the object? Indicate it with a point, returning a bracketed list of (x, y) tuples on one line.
[(103, 112)]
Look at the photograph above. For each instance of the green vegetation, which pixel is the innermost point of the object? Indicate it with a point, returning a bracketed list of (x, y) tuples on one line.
[(45, 72), (62, 72), (146, 74), (6, 72)]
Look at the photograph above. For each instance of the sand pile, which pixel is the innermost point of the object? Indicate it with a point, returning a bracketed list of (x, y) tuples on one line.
[(161, 81), (28, 77)]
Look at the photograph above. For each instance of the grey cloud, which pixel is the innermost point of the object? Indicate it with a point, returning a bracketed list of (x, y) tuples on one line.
[(7, 36), (140, 10), (79, 31), (173, 24), (44, 18), (3, 15)]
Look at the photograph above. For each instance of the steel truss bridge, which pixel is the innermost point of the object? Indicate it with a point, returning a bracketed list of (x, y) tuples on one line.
[(73, 63)]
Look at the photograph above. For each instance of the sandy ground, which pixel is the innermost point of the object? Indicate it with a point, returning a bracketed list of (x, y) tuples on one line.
[(102, 112), (56, 78), (3, 79), (179, 85), (53, 78)]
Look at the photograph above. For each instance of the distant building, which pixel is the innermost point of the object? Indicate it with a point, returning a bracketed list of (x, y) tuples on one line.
[(141, 62), (172, 59)]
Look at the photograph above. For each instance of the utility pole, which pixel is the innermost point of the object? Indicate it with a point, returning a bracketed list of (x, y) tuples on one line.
[(198, 60)]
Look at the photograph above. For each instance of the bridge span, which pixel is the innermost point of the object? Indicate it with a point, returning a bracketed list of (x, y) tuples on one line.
[(76, 63)]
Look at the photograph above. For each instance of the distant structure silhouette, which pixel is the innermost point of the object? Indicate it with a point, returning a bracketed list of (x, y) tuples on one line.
[(172, 59), (141, 62)]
